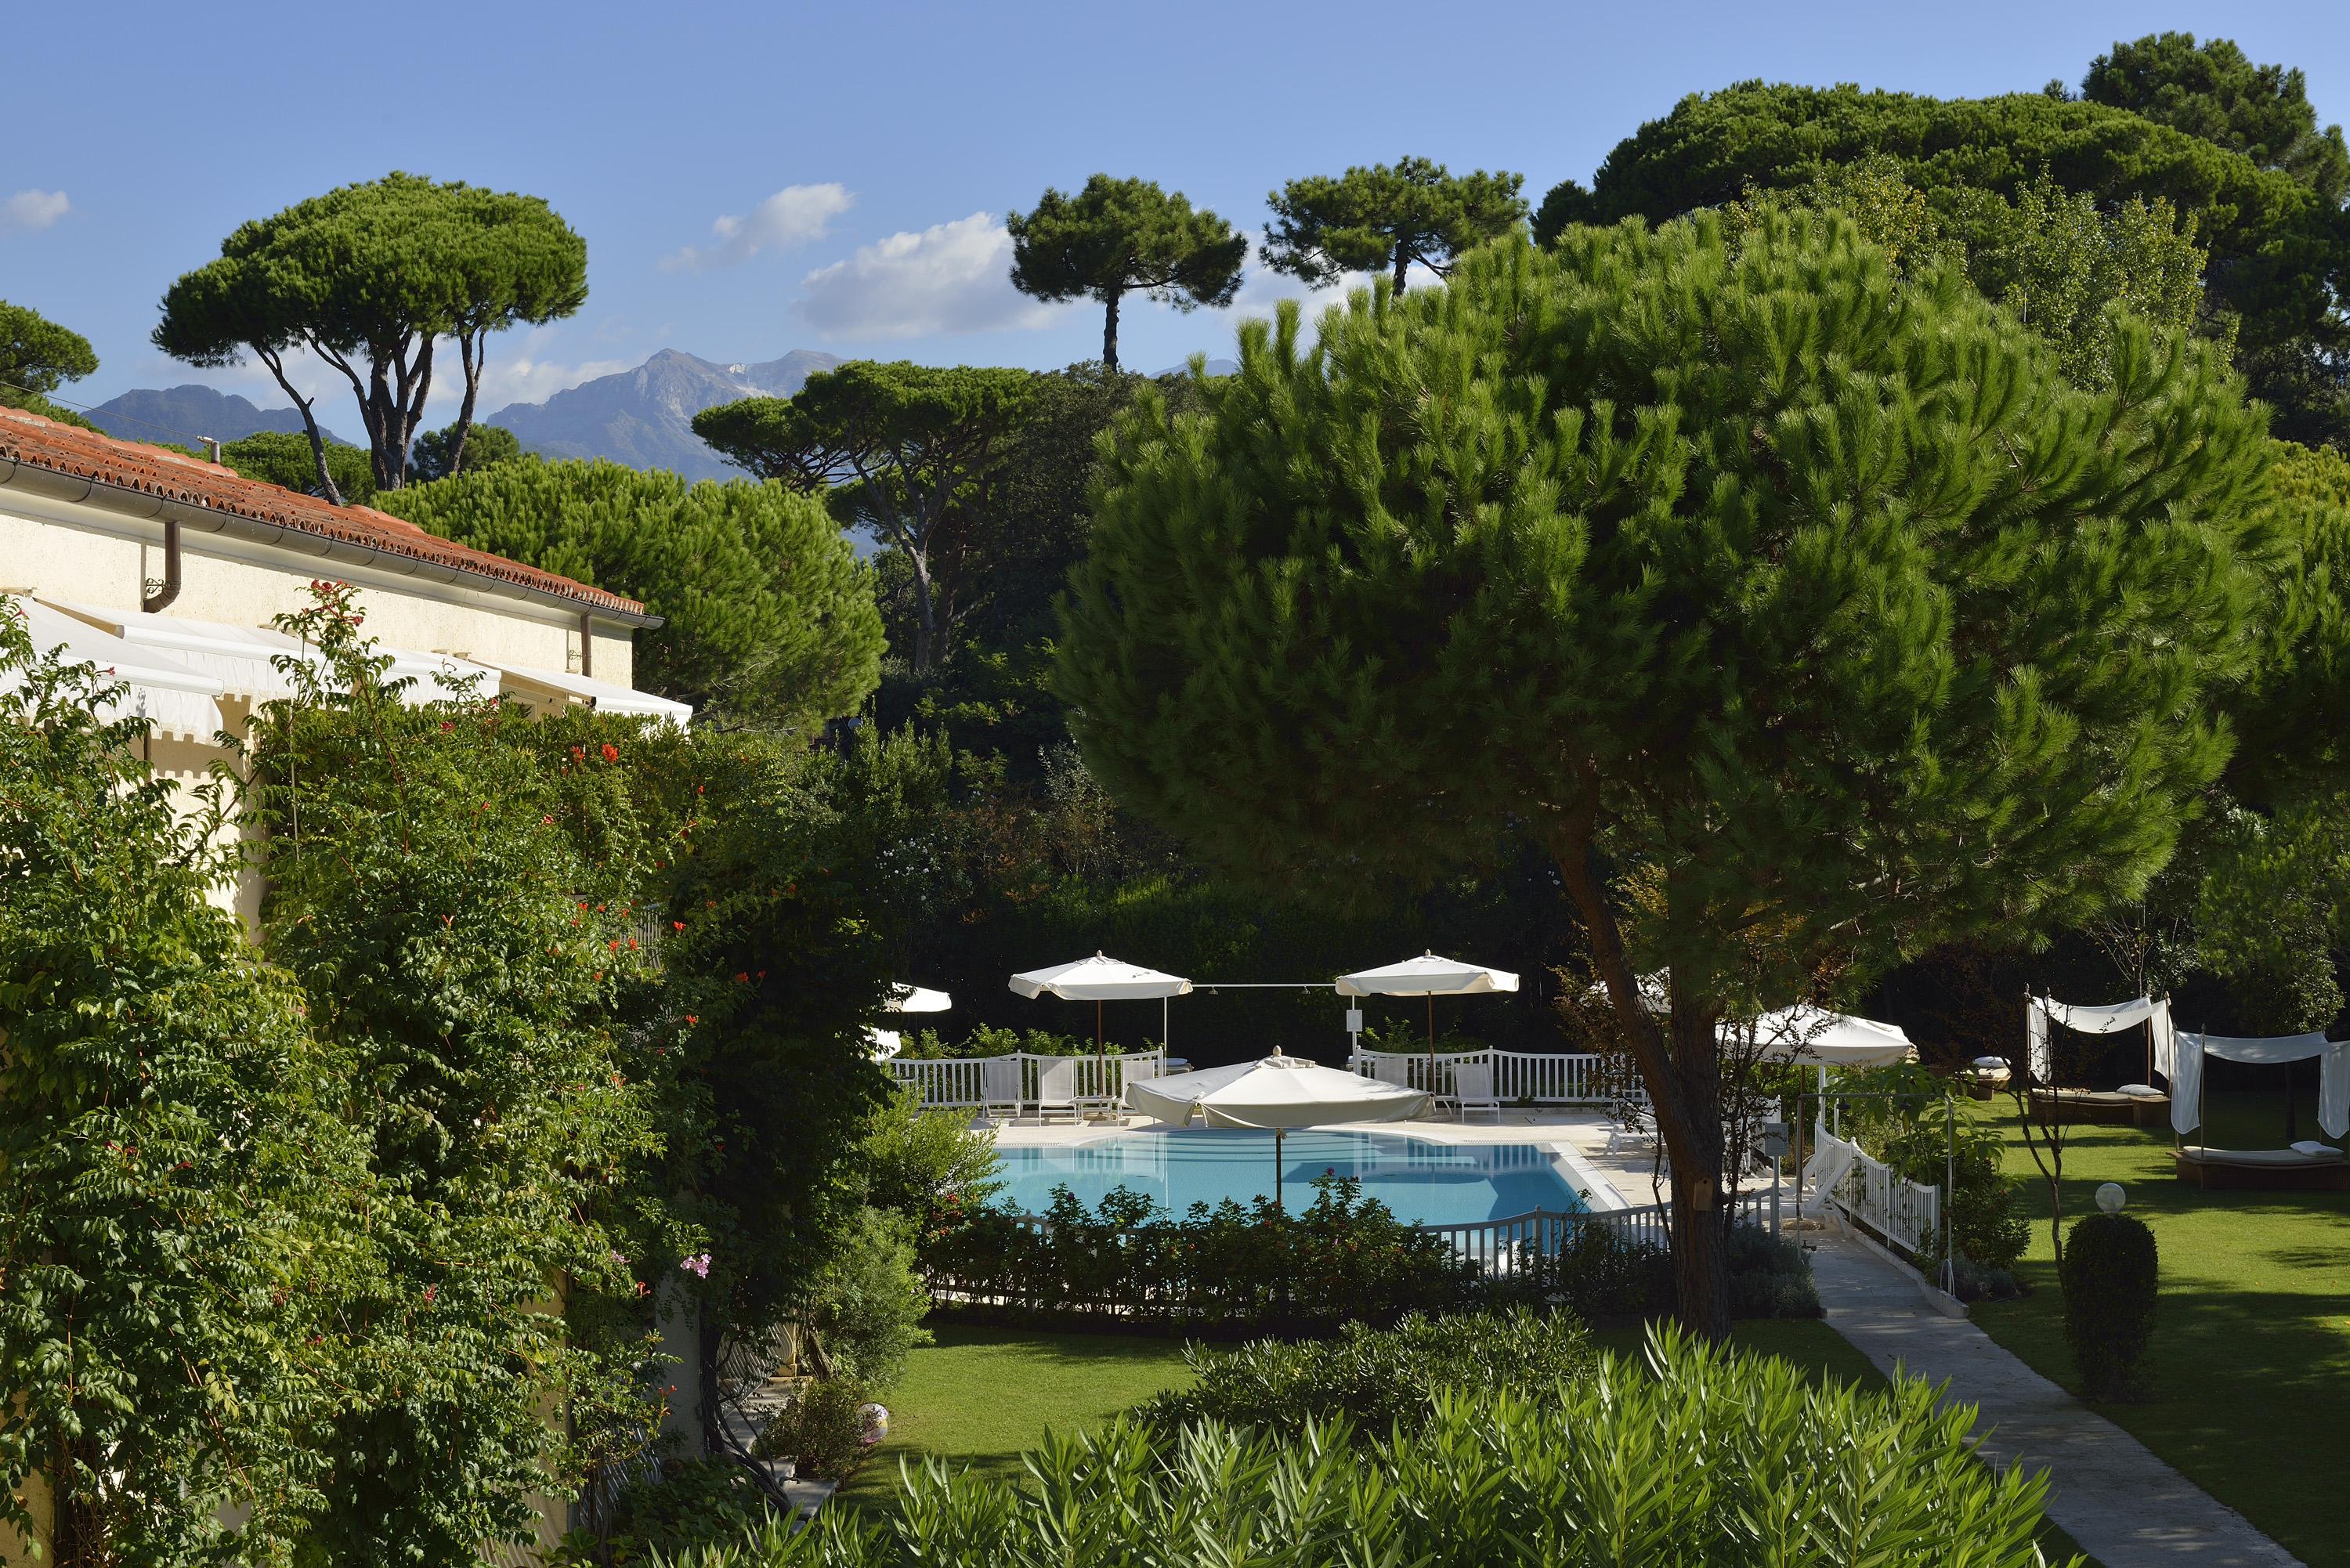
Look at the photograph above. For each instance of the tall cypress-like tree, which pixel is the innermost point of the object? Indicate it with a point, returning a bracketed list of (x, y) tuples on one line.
[(1116, 237), (1386, 218), (1805, 600)]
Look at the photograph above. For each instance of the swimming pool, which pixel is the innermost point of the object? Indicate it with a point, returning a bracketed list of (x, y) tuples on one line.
[(1425, 1183)]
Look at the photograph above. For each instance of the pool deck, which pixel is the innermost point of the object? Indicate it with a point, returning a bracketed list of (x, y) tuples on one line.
[(1586, 1132)]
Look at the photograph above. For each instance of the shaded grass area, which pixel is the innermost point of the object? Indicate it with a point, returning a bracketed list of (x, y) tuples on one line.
[(2251, 1385)]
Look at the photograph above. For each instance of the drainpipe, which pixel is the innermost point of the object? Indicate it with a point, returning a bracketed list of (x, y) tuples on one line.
[(587, 643), (152, 603)]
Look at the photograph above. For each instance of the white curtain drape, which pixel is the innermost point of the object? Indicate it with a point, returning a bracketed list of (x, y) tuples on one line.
[(2185, 1064), (2109, 1019)]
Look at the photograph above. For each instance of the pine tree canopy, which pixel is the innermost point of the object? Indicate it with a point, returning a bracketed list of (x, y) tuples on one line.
[(2215, 91), (770, 614), (1823, 592), (1116, 237), (1386, 218)]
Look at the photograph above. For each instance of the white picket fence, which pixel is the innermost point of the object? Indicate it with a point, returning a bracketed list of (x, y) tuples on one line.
[(1905, 1212), (954, 1082), (1519, 1077)]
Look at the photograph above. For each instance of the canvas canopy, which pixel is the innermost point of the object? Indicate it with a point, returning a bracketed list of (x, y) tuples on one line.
[(1276, 1093), (602, 695), (1428, 975), (2180, 1060), (438, 677), (2039, 1012), (1814, 1036), (170, 695), (243, 658), (1099, 978)]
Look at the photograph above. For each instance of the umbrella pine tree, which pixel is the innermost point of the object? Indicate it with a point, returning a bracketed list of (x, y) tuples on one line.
[(1808, 600)]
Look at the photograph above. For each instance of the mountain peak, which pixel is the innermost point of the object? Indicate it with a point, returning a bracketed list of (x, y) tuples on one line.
[(644, 417)]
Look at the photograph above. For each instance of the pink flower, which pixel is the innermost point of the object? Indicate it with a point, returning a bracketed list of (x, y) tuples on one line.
[(698, 1265), (431, 1292)]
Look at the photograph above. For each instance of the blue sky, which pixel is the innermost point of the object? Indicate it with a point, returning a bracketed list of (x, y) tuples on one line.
[(756, 178)]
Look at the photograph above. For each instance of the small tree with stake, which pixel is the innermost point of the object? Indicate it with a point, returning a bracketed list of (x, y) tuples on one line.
[(1816, 594)]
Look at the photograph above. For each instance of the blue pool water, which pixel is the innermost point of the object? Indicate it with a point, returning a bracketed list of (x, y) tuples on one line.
[(1425, 1183)]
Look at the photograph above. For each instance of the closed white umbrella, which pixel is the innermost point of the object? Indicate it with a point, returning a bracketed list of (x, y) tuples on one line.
[(1277, 1093), (1431, 977), (1101, 979)]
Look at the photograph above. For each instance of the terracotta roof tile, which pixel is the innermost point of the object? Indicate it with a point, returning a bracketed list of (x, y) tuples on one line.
[(37, 442)]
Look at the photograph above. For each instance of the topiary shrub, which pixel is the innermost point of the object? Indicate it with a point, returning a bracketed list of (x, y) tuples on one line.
[(2110, 1277)]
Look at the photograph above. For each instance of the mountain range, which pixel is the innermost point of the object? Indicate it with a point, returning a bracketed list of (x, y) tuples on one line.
[(182, 416), (644, 417)]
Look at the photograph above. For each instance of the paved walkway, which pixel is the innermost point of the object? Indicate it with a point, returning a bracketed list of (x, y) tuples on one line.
[(2127, 1507)]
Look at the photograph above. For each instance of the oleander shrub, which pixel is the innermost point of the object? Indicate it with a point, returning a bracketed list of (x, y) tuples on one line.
[(2111, 1277), (1225, 1271), (1769, 1277), (1694, 1455), (1375, 1379), (819, 1429)]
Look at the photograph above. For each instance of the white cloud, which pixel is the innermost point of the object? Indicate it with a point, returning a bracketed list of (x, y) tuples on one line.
[(30, 210), (520, 379), (794, 215), (951, 278)]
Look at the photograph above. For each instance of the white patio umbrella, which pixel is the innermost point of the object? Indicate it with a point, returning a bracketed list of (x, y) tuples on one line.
[(905, 998), (1275, 1093), (1101, 979), (1431, 977), (1814, 1036)]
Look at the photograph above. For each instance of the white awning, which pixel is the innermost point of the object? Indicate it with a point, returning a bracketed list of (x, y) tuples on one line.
[(602, 695), (240, 658), (436, 677), (173, 698)]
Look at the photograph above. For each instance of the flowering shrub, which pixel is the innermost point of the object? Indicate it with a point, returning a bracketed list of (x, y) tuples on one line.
[(1230, 1270)]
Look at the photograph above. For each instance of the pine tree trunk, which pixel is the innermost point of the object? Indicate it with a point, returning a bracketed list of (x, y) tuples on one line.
[(1402, 265), (1701, 1252), (926, 610), (1109, 334)]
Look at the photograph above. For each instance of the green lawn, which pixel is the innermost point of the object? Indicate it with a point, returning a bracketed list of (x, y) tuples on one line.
[(2250, 1393)]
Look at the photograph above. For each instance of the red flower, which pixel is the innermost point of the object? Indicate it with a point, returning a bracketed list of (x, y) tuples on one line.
[(614, 944), (743, 978), (677, 925), (689, 1018), (632, 944), (611, 752), (431, 1292)]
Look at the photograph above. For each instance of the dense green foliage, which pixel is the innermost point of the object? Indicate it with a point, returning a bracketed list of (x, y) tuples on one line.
[(284, 458), (425, 896), (689, 1505), (436, 455), (1375, 1379), (1765, 572), (2278, 251), (1117, 237), (769, 614), (910, 452), (2112, 1280), (369, 278), (1594, 1469), (2214, 91), (1386, 218), (1232, 1270), (38, 356), (866, 1307), (171, 1161)]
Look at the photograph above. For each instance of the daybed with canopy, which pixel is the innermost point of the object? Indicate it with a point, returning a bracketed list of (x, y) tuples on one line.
[(2140, 1105), (2308, 1166)]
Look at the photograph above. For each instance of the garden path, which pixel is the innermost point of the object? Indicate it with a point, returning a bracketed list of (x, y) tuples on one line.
[(2125, 1506)]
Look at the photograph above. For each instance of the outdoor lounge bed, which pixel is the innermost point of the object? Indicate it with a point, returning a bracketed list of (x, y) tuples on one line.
[(2103, 1107), (2262, 1169)]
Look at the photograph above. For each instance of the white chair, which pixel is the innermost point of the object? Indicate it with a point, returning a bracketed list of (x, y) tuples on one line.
[(1632, 1124), (1056, 1090), (1472, 1090), (1393, 1070), (1000, 1089)]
